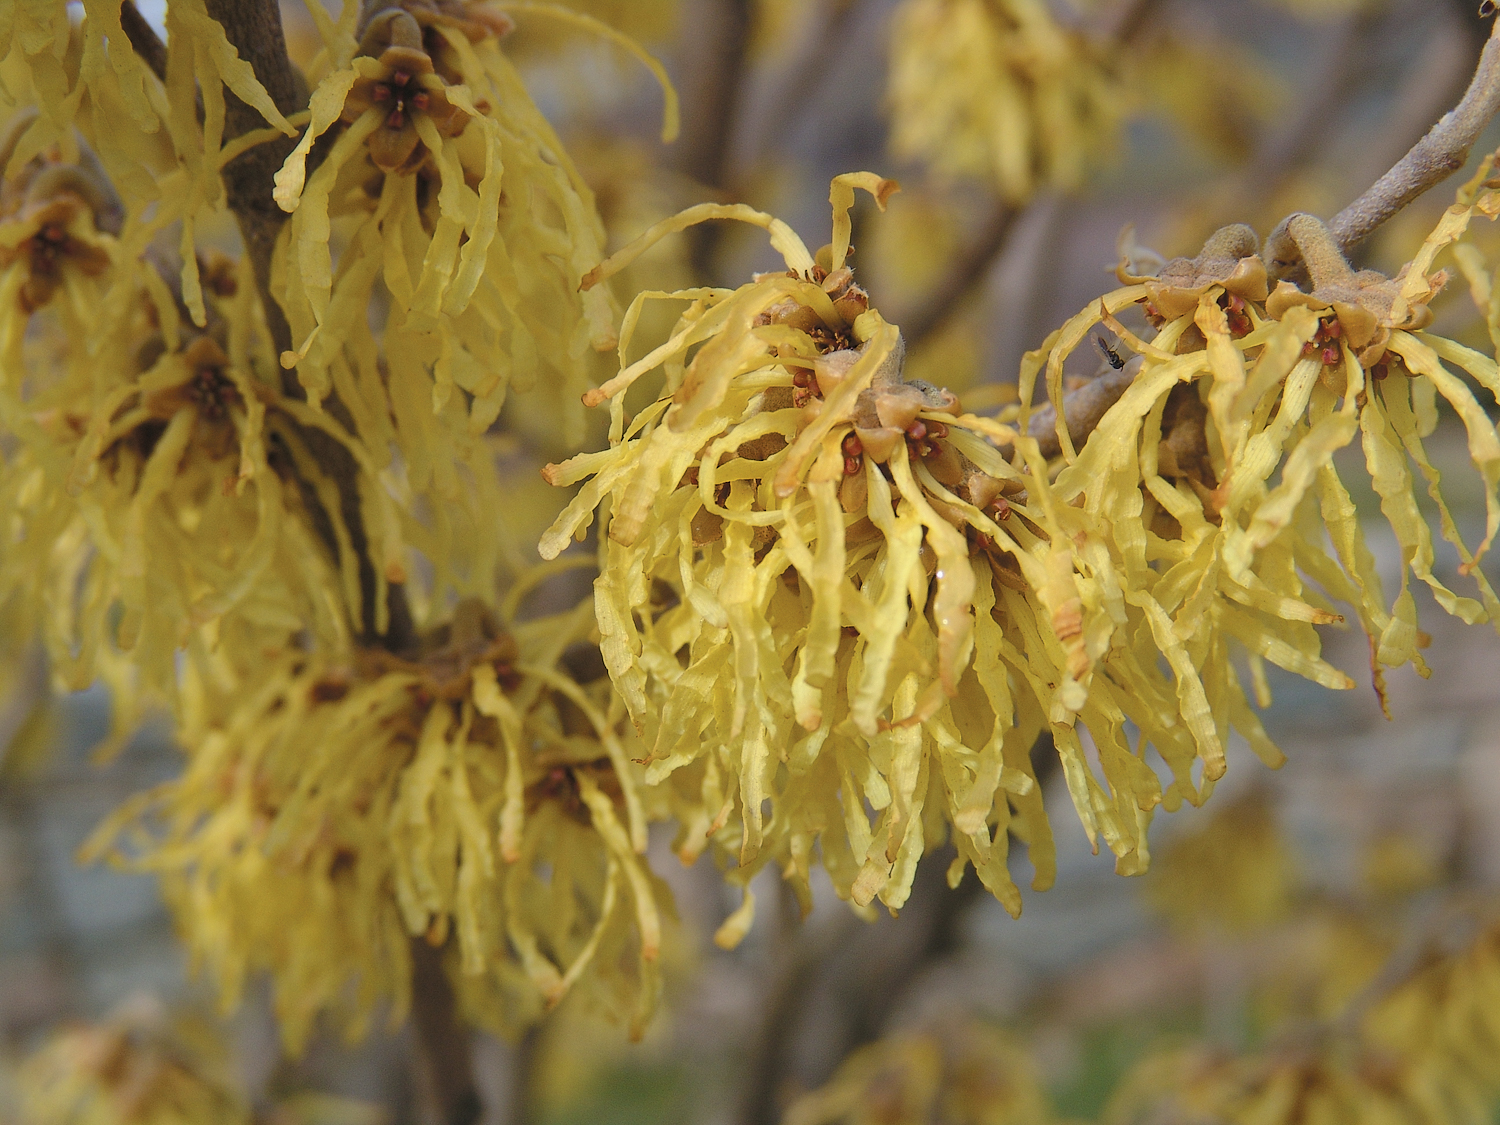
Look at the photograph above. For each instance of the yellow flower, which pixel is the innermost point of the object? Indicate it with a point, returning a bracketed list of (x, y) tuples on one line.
[(473, 795), (1422, 1048), (146, 498), (999, 90), (1234, 874), (1278, 382), (457, 195), (966, 1074), (136, 1066), (397, 90), (832, 591), (645, 21)]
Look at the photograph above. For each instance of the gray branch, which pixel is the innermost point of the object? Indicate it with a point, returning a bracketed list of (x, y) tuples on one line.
[(1443, 151)]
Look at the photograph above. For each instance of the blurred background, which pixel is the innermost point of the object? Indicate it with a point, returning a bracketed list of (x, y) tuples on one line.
[(1279, 903)]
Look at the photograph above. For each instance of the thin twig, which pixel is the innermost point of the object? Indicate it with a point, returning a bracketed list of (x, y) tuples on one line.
[(807, 75), (143, 39), (443, 1046), (848, 978), (254, 27), (707, 133), (1431, 160), (705, 150), (1333, 76), (1133, 19), (1435, 79), (525, 1058), (961, 278)]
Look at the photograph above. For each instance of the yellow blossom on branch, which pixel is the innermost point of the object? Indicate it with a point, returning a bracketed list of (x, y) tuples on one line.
[(138, 1065), (833, 591), (1000, 90), (473, 794), (460, 201)]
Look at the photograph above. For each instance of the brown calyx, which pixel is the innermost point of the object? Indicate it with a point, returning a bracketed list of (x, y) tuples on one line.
[(558, 784), (54, 245), (1183, 452), (888, 410), (445, 656), (1366, 305), (475, 21), (406, 87), (206, 388), (1229, 259)]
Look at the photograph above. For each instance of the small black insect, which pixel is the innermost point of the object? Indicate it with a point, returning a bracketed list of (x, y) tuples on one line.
[(1112, 356)]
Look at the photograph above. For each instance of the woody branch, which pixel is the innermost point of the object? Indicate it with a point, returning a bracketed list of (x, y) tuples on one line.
[(1442, 152), (254, 28)]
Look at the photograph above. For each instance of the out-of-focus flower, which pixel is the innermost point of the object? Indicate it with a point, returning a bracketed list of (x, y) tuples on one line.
[(645, 21), (475, 796), (86, 77), (963, 1074), (998, 89), (138, 1067), (1234, 874), (1423, 1049), (142, 1065), (1216, 92), (633, 193), (58, 219), (143, 492), (160, 142)]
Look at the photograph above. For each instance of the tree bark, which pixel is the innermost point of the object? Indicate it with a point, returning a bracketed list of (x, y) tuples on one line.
[(254, 28), (444, 1049)]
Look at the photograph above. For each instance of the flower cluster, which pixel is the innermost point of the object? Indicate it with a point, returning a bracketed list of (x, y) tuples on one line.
[(330, 812), (1421, 1051), (963, 1074), (837, 594), (466, 224), (1281, 379), (998, 89), (143, 1064), (195, 524), (138, 1065), (144, 497)]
